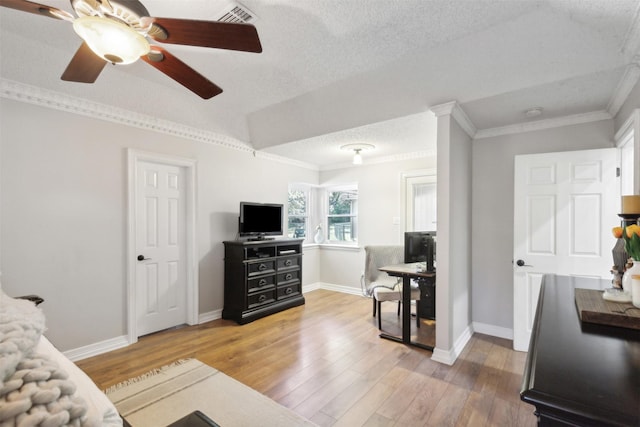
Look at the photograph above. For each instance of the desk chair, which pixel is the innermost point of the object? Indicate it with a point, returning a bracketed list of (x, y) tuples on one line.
[(378, 285)]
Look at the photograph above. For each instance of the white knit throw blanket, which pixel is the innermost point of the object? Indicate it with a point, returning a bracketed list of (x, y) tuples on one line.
[(34, 391)]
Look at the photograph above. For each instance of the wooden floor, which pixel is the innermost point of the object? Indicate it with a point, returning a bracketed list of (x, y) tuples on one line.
[(325, 361)]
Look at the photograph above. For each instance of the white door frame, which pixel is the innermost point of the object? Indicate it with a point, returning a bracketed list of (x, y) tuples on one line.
[(134, 157)]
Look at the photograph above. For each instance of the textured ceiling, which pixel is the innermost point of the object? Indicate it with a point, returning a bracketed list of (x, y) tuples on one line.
[(337, 72)]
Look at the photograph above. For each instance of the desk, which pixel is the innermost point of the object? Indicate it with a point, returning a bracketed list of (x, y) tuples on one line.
[(580, 373), (407, 272)]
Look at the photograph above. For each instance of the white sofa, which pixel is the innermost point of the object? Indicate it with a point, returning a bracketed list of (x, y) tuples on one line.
[(38, 384)]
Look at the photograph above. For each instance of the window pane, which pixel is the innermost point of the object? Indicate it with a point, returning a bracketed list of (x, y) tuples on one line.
[(297, 202), (297, 227), (342, 228), (342, 202)]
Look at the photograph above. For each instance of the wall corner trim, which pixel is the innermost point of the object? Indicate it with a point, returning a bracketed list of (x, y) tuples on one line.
[(454, 109)]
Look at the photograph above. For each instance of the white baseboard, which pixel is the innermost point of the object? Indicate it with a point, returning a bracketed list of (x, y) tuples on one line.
[(97, 348), (209, 316), (449, 356), (494, 331), (331, 287)]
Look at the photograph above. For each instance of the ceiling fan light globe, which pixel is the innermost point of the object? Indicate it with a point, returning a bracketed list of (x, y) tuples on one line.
[(111, 40)]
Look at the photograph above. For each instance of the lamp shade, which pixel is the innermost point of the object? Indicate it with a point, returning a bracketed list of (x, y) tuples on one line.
[(111, 40), (357, 158)]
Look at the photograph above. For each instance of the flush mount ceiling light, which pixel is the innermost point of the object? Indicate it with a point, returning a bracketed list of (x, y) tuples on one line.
[(111, 40), (357, 148), (533, 112)]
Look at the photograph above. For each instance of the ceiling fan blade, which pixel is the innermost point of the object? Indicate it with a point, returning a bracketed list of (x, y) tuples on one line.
[(181, 72), (38, 9), (85, 66), (221, 35)]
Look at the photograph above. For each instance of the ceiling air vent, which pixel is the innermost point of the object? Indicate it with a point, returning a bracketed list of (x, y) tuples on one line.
[(236, 13)]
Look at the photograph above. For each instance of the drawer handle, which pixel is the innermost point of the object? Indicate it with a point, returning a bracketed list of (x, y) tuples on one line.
[(262, 267), (262, 282), (288, 263), (288, 291), (288, 276), (262, 298)]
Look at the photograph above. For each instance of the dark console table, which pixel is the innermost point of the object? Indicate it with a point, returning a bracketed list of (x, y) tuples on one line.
[(261, 278), (577, 373)]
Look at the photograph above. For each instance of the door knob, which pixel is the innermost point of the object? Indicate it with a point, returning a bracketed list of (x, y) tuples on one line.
[(520, 263), (142, 258)]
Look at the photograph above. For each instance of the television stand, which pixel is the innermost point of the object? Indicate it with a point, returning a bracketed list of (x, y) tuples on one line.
[(261, 277)]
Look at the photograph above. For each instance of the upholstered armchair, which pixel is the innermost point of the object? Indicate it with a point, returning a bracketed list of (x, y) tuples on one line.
[(377, 284)]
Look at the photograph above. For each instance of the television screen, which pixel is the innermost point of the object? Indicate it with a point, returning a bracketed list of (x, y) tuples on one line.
[(260, 219), (419, 246)]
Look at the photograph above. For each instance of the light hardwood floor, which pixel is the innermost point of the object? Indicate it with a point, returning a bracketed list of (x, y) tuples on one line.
[(325, 361)]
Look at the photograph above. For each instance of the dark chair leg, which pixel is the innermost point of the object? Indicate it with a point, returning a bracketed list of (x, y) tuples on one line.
[(399, 305), (379, 316), (374, 307)]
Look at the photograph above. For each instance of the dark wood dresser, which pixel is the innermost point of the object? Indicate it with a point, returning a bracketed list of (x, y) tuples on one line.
[(261, 278), (580, 374)]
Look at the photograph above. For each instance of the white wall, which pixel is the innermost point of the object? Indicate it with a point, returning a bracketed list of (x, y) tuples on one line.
[(454, 235), (63, 209), (460, 233), (379, 202), (492, 209)]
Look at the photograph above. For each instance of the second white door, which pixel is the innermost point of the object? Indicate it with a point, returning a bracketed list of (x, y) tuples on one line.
[(160, 247), (565, 205)]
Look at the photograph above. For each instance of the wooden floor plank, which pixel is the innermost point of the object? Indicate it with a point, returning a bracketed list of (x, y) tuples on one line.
[(326, 361)]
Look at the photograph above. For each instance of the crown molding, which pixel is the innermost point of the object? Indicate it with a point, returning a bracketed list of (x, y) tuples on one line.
[(443, 109), (454, 109), (575, 119), (625, 86), (21, 92), (632, 122)]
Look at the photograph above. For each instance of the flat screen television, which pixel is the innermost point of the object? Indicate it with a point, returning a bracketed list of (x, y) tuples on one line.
[(420, 246), (258, 220)]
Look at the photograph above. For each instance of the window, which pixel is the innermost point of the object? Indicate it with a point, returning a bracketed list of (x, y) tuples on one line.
[(333, 210), (298, 212), (342, 214)]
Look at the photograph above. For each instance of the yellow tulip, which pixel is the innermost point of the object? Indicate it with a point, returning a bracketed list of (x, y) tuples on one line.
[(617, 232), (632, 229)]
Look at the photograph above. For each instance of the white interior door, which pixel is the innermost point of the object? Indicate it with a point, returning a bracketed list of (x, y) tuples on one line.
[(421, 203), (565, 205), (160, 247)]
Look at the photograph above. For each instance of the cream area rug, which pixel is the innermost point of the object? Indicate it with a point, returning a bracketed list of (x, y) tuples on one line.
[(168, 394)]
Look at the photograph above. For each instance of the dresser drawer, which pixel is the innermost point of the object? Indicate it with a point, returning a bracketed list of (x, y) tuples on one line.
[(262, 267), (261, 283), (289, 276), (288, 262), (288, 291), (261, 298)]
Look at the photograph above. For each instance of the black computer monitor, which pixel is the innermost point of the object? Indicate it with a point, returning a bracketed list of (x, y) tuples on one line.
[(420, 246)]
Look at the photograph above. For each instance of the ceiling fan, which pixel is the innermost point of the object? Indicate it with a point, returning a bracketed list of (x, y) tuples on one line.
[(117, 31)]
